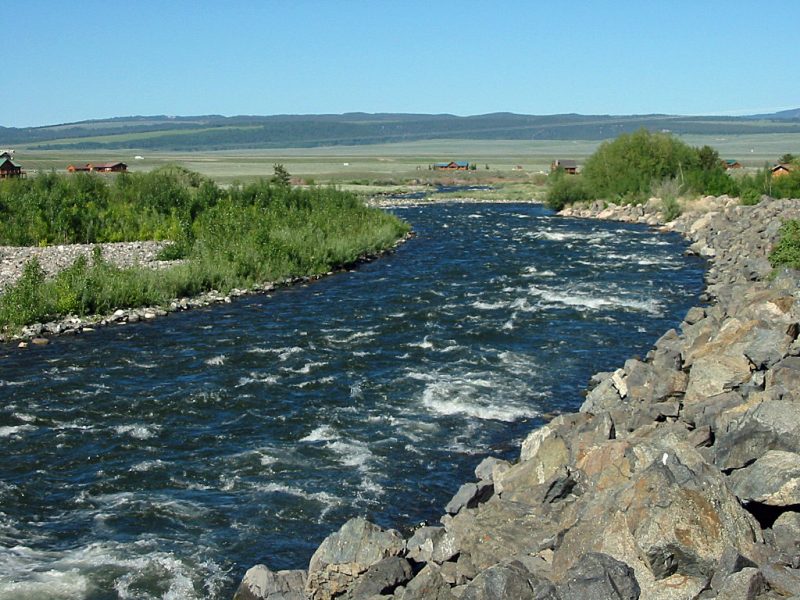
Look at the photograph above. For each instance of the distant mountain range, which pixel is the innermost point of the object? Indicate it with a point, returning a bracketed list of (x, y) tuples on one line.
[(215, 132)]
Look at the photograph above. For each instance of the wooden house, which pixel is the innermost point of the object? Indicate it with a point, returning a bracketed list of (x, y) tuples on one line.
[(117, 167), (453, 165), (731, 164), (9, 169), (780, 170), (568, 166)]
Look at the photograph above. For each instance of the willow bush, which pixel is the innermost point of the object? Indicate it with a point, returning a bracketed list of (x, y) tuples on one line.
[(265, 231)]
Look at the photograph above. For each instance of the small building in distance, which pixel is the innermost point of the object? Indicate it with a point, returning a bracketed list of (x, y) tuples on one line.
[(8, 169), (567, 165), (453, 165), (780, 170), (117, 167), (731, 163)]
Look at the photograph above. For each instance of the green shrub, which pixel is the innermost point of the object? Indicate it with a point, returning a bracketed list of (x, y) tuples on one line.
[(566, 189), (787, 251), (750, 197), (258, 233), (670, 209)]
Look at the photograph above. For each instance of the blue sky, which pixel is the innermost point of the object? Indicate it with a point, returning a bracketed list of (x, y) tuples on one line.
[(67, 62)]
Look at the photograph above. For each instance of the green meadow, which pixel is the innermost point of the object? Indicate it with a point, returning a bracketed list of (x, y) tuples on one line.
[(406, 163)]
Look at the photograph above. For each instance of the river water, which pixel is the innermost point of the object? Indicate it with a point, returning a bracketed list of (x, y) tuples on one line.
[(162, 459)]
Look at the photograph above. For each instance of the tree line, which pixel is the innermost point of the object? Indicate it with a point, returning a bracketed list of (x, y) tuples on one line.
[(635, 166)]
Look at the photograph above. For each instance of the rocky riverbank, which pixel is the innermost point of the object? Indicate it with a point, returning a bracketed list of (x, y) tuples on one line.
[(678, 478), (55, 258)]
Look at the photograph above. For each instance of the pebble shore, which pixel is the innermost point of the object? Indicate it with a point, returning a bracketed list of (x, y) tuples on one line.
[(56, 258)]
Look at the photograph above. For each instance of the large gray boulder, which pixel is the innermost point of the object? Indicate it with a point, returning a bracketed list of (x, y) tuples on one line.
[(510, 580), (429, 584), (348, 553), (599, 577), (774, 480), (786, 533), (259, 583), (382, 578), (659, 507), (773, 425)]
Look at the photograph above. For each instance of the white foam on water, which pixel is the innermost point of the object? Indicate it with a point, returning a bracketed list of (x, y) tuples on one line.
[(216, 361), (489, 305), (24, 417), (354, 336), (323, 433), (138, 430), (516, 362), (255, 377), (425, 344), (450, 348), (352, 453), (591, 302), (534, 272), (148, 465), (508, 325), (475, 216), (522, 304), (27, 574), (282, 353), (14, 430), (272, 487), (306, 368), (639, 259), (554, 236), (473, 395)]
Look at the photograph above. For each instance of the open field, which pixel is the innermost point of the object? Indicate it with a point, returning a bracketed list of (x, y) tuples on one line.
[(398, 163)]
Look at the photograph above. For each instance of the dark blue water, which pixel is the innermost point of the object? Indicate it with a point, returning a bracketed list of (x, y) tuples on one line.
[(162, 459)]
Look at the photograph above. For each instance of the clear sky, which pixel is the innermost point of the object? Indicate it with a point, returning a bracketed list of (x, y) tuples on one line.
[(69, 61)]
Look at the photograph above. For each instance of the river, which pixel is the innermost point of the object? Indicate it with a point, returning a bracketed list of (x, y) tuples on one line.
[(162, 459)]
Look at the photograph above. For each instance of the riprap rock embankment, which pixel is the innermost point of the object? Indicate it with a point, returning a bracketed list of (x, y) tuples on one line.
[(679, 477)]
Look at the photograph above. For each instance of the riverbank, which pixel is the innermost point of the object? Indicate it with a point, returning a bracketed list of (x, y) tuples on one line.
[(143, 254), (677, 478)]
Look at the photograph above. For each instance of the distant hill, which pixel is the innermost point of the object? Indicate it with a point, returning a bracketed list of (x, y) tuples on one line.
[(793, 113), (215, 132)]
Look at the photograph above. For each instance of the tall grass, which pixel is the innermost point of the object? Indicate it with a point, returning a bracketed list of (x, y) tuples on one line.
[(246, 235)]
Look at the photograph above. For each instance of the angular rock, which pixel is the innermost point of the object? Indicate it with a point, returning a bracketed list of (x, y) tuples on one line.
[(730, 562), (346, 554), (785, 374), (510, 580), (484, 471), (428, 585), (713, 374), (670, 519), (420, 546), (259, 583), (469, 495), (786, 532), (773, 479), (771, 425), (599, 577), (381, 578), (781, 579), (747, 584)]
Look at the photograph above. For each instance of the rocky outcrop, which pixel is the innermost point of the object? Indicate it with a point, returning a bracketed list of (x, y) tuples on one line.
[(678, 478)]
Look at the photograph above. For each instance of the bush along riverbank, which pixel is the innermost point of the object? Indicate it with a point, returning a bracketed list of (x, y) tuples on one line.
[(224, 242), (678, 478)]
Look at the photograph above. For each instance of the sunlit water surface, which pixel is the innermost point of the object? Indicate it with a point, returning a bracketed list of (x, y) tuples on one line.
[(161, 460)]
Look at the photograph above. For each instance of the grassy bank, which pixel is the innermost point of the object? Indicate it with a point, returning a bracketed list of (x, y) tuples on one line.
[(233, 238)]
